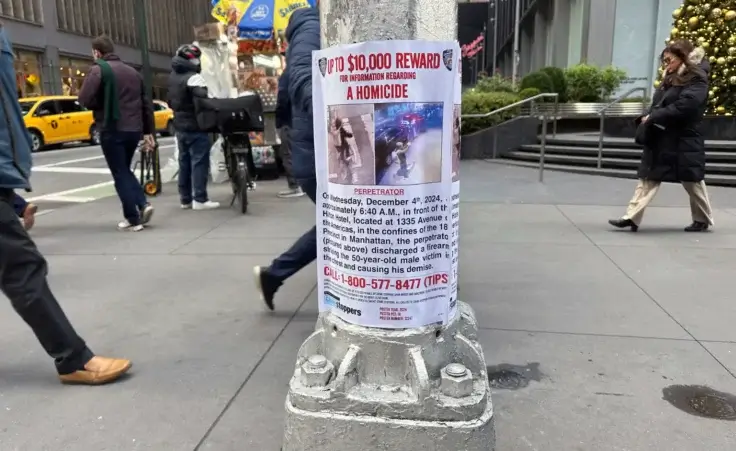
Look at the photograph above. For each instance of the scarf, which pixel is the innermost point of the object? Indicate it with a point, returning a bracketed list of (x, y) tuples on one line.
[(110, 93)]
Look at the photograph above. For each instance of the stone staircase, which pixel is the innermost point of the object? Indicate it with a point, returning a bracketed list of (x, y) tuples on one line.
[(578, 153)]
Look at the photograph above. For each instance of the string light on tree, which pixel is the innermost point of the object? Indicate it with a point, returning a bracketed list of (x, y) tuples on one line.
[(711, 25)]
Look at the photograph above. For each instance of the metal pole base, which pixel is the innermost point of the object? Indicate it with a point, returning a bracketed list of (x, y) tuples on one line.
[(367, 389)]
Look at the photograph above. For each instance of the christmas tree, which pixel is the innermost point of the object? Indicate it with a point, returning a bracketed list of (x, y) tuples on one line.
[(712, 26)]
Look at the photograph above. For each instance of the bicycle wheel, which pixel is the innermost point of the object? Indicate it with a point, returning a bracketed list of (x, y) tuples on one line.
[(243, 184), (232, 172)]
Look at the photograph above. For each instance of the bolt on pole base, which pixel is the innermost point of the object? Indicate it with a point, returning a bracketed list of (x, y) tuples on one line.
[(365, 389)]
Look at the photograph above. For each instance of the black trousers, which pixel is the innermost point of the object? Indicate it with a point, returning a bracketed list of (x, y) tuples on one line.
[(301, 253), (23, 280), (285, 149)]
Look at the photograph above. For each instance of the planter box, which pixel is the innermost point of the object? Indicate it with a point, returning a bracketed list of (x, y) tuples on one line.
[(508, 136)]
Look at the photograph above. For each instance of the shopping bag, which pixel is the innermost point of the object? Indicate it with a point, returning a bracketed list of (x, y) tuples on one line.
[(170, 171), (218, 169)]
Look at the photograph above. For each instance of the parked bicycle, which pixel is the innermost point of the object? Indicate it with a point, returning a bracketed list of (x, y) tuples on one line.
[(234, 119)]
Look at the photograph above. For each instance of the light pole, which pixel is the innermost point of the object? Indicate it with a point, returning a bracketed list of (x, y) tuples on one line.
[(357, 388), (485, 46), (517, 20), (495, 35), (140, 19)]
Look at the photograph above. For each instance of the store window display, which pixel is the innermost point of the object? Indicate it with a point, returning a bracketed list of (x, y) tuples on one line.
[(28, 74), (72, 75), (260, 73)]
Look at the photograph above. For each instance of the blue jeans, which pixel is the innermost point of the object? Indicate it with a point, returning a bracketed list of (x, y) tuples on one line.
[(19, 205), (301, 253), (194, 166), (119, 149)]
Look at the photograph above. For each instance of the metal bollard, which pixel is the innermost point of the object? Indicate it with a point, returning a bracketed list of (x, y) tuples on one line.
[(542, 148)]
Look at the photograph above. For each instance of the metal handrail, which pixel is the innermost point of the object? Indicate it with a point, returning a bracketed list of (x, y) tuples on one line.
[(602, 114), (531, 100), (513, 105)]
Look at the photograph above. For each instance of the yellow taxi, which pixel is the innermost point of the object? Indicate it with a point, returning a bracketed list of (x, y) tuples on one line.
[(163, 117), (55, 120)]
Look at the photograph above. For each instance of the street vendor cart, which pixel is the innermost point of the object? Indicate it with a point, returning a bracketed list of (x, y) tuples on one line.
[(259, 67), (258, 27)]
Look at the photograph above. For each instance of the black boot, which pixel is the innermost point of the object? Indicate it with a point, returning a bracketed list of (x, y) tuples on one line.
[(697, 227), (623, 223)]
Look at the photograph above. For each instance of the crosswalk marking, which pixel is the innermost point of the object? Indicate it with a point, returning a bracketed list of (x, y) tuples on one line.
[(72, 170), (69, 192), (69, 199)]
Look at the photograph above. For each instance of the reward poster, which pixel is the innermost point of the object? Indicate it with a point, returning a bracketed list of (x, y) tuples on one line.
[(386, 118)]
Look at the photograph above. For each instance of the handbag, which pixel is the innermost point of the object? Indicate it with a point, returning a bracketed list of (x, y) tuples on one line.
[(236, 115), (646, 132)]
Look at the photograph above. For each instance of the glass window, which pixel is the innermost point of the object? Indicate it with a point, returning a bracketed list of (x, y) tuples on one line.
[(28, 74), (26, 106), (70, 106), (160, 85), (47, 108), (73, 72)]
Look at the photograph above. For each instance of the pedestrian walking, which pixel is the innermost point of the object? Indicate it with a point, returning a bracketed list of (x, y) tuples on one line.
[(283, 124), (22, 267), (674, 148), (25, 211), (115, 93), (303, 36), (185, 84)]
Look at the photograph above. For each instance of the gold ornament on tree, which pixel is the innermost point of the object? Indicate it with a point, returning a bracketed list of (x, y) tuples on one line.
[(711, 25)]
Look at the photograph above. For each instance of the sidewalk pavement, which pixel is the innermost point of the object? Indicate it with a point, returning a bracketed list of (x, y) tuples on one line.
[(583, 326)]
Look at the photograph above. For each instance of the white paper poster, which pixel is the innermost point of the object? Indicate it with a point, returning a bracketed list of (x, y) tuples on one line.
[(455, 245), (384, 119)]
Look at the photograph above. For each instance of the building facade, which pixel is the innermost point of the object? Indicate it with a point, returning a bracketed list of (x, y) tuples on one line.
[(51, 38), (628, 34)]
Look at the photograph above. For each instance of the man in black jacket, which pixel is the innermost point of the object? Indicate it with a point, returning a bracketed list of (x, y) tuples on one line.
[(303, 36), (283, 124), (185, 84)]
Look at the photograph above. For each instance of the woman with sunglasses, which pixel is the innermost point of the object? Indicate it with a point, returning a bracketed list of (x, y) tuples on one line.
[(674, 148)]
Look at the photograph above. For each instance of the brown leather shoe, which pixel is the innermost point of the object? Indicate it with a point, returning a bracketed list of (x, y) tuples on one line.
[(98, 371), (29, 216)]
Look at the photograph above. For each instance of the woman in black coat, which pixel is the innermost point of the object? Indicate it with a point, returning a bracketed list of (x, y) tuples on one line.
[(674, 150)]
